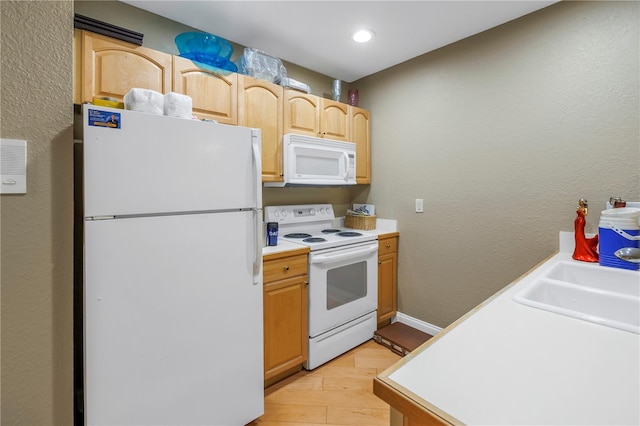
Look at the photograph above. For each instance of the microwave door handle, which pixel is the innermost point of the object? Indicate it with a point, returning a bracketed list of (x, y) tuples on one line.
[(342, 254), (345, 157)]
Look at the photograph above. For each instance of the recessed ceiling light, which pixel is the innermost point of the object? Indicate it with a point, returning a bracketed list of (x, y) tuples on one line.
[(362, 36)]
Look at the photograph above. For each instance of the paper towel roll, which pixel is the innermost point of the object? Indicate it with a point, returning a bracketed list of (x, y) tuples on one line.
[(177, 105), (144, 100)]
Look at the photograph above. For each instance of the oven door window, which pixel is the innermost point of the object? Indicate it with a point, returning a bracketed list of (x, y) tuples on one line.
[(346, 284)]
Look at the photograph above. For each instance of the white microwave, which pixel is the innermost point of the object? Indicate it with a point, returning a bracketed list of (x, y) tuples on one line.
[(310, 161)]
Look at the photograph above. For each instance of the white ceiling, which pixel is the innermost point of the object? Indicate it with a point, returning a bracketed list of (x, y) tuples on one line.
[(317, 34)]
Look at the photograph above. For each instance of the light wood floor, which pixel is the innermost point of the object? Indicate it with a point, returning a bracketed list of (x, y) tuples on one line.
[(339, 393)]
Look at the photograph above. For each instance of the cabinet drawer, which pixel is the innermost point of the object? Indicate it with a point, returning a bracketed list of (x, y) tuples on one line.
[(387, 245), (284, 268)]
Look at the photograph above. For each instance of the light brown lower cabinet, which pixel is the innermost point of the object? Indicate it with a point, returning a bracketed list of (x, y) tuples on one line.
[(285, 313), (387, 277)]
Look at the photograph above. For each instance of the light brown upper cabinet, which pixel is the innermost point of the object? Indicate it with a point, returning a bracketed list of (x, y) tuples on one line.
[(106, 67), (361, 136), (77, 66), (301, 113), (260, 105), (311, 115), (214, 96), (334, 120), (110, 68)]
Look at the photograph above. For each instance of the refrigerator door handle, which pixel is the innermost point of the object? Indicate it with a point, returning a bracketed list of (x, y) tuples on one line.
[(257, 261), (256, 139)]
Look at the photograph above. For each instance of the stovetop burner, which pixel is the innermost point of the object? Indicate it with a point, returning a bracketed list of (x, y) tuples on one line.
[(349, 234), (314, 240), (297, 235), (330, 231)]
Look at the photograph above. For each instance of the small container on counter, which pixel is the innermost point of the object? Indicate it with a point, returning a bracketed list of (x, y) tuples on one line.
[(272, 234)]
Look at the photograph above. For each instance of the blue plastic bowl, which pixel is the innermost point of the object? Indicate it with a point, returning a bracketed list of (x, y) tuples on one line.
[(203, 44), (211, 61)]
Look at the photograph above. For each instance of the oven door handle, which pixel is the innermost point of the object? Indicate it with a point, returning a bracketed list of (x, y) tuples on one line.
[(343, 254)]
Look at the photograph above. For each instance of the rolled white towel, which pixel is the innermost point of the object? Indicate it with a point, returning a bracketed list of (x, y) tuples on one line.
[(144, 100), (177, 105)]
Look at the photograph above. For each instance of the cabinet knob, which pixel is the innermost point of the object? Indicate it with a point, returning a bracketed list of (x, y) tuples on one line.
[(379, 263), (306, 283), (388, 245), (286, 268)]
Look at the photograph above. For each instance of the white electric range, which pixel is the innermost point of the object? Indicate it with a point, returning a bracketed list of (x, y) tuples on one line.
[(313, 225), (343, 278)]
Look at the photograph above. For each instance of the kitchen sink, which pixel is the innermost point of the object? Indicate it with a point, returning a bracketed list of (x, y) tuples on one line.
[(589, 292)]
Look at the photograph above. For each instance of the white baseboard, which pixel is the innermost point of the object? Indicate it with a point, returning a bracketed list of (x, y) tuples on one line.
[(417, 324)]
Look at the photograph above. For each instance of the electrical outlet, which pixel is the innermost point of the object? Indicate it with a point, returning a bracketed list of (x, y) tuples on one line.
[(419, 205)]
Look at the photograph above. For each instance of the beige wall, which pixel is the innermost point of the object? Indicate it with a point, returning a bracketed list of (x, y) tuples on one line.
[(501, 134), (36, 99)]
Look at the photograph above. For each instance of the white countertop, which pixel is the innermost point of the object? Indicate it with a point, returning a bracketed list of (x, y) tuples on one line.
[(507, 363), (282, 246)]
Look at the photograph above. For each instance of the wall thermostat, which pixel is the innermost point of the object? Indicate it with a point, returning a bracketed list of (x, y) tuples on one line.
[(13, 166)]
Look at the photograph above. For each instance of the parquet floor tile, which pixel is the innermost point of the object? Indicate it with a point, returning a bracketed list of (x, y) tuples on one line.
[(339, 393)]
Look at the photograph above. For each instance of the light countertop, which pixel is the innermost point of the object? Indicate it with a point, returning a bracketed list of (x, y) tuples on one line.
[(507, 363), (282, 246)]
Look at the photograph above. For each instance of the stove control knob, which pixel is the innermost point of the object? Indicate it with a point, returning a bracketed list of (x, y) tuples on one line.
[(322, 210), (275, 213), (312, 211), (284, 213)]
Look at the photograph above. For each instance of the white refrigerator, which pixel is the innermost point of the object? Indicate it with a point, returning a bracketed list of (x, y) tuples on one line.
[(172, 271)]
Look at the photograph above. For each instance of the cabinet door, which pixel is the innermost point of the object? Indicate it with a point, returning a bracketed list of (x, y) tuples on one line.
[(285, 325), (214, 96), (361, 136), (301, 113), (260, 105), (334, 120), (387, 279), (77, 66), (110, 68)]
